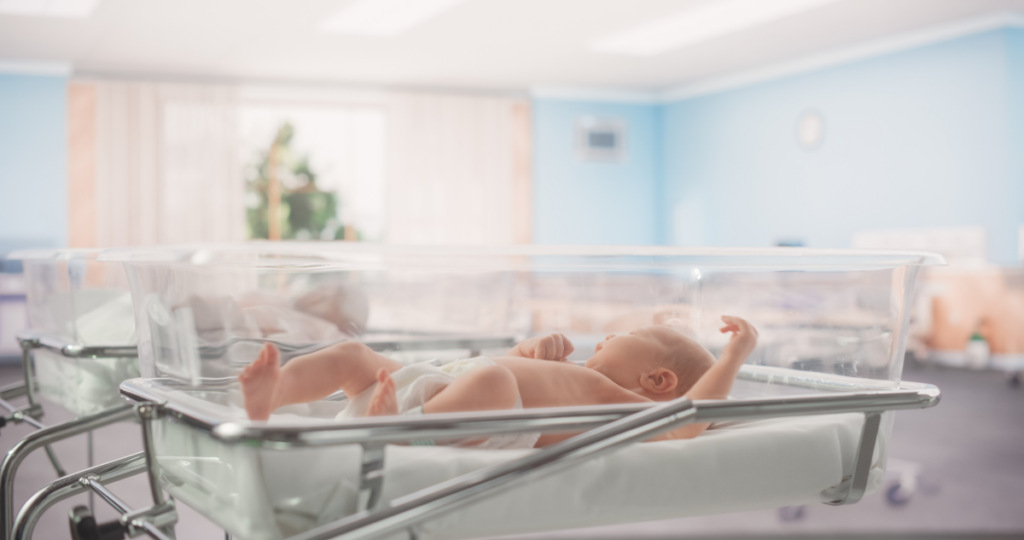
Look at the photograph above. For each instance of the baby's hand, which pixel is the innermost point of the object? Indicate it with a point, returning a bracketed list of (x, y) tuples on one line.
[(554, 347), (744, 337)]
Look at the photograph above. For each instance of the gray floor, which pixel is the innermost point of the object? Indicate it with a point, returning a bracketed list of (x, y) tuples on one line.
[(970, 450)]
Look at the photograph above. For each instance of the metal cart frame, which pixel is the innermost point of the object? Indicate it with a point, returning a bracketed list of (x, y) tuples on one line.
[(604, 429)]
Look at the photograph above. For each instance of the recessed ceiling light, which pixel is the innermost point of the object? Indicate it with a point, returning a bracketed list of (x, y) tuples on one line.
[(384, 18), (49, 8), (700, 23)]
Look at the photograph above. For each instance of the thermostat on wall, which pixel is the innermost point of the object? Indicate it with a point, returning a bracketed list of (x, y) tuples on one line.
[(600, 139), (810, 129)]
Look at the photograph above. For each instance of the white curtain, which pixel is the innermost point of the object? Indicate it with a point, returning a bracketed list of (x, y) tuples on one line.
[(167, 164), (168, 167), (458, 170)]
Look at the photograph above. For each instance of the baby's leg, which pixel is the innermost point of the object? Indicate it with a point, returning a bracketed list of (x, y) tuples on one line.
[(349, 366), (483, 389)]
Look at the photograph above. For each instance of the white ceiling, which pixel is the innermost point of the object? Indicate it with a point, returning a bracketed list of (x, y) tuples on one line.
[(481, 44)]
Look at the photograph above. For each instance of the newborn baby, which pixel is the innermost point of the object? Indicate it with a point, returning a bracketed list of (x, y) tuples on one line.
[(655, 363)]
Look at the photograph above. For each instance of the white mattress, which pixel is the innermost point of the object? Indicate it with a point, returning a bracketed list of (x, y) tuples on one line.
[(263, 494), (744, 466)]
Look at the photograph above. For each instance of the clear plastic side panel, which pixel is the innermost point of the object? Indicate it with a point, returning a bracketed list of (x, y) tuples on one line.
[(84, 386), (203, 323), (80, 300), (256, 493), (841, 323)]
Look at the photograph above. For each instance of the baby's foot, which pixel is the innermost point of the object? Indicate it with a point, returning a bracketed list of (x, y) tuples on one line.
[(259, 383), (383, 402)]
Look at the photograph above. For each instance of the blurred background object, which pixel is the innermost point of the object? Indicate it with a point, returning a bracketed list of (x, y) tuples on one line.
[(870, 124)]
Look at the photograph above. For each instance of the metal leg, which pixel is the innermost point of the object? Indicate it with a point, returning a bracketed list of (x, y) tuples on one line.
[(57, 467), (26, 365), (862, 463), (88, 464), (43, 438), (156, 521), (34, 410), (70, 486), (147, 413), (371, 476)]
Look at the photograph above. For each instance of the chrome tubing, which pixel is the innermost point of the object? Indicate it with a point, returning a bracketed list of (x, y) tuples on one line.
[(147, 413), (45, 437), (134, 519), (71, 485), (862, 461), (451, 426), (407, 511), (12, 391), (33, 412), (34, 340), (26, 365)]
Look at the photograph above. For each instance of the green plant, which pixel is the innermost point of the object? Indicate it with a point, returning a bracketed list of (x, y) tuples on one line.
[(281, 177)]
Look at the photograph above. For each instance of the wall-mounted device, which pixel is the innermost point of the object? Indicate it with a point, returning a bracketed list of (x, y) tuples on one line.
[(600, 139), (810, 129)]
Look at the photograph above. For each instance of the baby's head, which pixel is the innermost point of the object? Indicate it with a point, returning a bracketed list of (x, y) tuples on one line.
[(656, 361)]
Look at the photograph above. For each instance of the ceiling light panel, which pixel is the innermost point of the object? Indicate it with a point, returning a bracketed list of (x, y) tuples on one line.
[(701, 23), (49, 8), (384, 18)]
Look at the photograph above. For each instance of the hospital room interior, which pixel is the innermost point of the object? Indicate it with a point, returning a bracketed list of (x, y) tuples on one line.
[(511, 269)]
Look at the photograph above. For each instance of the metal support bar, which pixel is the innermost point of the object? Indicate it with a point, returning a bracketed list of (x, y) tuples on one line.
[(453, 426), (94, 485), (26, 414), (34, 412), (45, 437), (89, 462), (12, 391), (136, 521), (371, 477), (26, 364), (405, 512), (75, 350), (862, 461), (70, 486), (147, 412)]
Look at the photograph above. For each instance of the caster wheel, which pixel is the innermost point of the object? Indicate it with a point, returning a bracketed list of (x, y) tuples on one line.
[(791, 513), (895, 495), (84, 526)]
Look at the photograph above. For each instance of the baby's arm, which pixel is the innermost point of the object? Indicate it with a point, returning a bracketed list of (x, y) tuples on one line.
[(553, 347), (717, 381)]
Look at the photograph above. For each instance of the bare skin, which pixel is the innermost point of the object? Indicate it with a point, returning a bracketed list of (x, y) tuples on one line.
[(624, 369)]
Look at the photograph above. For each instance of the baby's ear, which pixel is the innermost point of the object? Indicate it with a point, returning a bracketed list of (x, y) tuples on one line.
[(660, 381)]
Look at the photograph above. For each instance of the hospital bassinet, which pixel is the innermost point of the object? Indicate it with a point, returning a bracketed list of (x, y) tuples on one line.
[(957, 305), (81, 328), (832, 325)]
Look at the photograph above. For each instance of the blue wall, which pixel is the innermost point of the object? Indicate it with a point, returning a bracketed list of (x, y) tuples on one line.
[(924, 138), (33, 162), (579, 202), (931, 137)]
